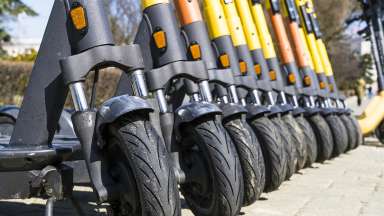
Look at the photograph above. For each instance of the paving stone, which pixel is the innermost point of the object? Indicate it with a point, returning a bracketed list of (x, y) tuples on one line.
[(351, 185)]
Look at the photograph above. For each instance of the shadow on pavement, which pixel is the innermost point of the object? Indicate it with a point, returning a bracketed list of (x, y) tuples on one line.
[(33, 207)]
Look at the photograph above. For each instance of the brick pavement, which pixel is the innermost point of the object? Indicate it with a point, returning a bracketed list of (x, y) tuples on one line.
[(351, 185)]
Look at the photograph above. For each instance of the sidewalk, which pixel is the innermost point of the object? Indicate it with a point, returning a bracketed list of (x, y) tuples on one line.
[(351, 185)]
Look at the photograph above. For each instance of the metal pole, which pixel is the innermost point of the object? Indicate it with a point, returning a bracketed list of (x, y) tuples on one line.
[(379, 34), (376, 56), (49, 206)]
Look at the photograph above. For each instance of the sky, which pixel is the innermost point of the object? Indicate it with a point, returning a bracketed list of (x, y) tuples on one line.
[(32, 27), (26, 27)]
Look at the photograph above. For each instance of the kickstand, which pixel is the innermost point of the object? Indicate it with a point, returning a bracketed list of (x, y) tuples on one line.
[(49, 206), (77, 206)]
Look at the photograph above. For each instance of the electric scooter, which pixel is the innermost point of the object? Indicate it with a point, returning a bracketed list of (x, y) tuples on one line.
[(326, 143), (240, 37), (371, 121), (204, 158), (332, 115), (337, 99), (248, 87), (126, 160), (286, 80), (225, 95), (305, 89), (319, 125)]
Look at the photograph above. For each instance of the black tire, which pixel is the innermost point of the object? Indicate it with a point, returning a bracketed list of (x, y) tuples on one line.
[(273, 152), (214, 185), (6, 125), (351, 131), (324, 137), (297, 140), (339, 134), (359, 133), (379, 132), (289, 148), (309, 140), (251, 158), (139, 161)]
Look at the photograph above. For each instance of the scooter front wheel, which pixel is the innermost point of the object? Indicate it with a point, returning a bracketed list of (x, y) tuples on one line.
[(339, 133), (214, 181), (297, 140), (273, 151), (290, 150), (251, 158), (309, 140), (350, 132), (139, 163), (324, 137), (359, 133)]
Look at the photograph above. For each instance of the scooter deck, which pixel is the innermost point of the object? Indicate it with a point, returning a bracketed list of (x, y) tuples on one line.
[(24, 157)]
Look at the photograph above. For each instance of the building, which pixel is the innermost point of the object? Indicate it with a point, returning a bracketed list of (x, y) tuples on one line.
[(21, 45)]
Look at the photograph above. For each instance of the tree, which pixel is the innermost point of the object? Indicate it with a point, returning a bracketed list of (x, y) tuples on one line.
[(366, 65), (9, 9), (125, 17), (333, 16), (341, 42)]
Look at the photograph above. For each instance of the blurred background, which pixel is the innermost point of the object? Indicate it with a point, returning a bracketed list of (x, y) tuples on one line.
[(22, 24)]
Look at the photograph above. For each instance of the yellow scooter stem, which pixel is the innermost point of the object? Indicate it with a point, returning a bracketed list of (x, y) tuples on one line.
[(148, 3), (220, 36), (266, 42), (321, 47), (286, 53), (299, 42), (253, 40), (238, 38), (312, 44)]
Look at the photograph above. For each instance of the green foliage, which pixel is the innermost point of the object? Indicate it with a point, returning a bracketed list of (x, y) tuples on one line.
[(15, 76), (15, 8), (124, 17), (366, 65), (29, 56), (10, 9)]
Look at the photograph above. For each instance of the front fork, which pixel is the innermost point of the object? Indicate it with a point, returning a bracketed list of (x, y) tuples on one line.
[(167, 123), (79, 99), (78, 96)]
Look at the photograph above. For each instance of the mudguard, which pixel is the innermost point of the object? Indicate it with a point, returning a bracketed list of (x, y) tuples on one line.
[(274, 110), (328, 111), (312, 111), (256, 111), (285, 108), (230, 110), (10, 111), (340, 111), (298, 111), (347, 111), (116, 107), (192, 111)]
